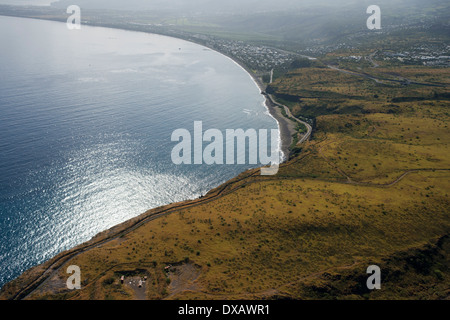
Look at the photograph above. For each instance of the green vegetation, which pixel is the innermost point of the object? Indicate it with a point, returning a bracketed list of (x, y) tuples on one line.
[(371, 187)]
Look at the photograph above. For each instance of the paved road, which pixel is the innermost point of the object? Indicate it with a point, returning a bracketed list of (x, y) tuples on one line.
[(402, 80), (307, 135), (355, 74)]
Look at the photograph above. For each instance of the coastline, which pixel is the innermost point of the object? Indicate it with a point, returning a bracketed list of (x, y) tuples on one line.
[(44, 270), (32, 279), (286, 128)]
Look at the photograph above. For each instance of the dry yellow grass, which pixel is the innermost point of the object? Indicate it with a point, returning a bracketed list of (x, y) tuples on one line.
[(263, 239), (371, 186)]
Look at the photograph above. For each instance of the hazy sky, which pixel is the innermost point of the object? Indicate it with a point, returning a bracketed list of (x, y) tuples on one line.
[(28, 2), (219, 6), (207, 5)]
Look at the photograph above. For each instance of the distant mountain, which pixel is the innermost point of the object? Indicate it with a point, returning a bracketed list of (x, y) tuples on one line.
[(183, 6), (208, 6), (287, 20), (237, 6)]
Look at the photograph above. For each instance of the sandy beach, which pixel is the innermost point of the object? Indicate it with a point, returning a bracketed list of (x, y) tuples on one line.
[(286, 126), (30, 280)]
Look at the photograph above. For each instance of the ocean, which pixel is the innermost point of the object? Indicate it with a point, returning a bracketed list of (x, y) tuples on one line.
[(86, 118)]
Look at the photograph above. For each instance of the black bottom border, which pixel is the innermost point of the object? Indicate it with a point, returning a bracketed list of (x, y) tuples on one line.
[(233, 309)]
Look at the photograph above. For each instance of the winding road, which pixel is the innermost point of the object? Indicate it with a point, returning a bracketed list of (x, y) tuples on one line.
[(53, 265)]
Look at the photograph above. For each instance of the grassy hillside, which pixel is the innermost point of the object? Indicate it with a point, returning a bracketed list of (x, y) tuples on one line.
[(370, 188)]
